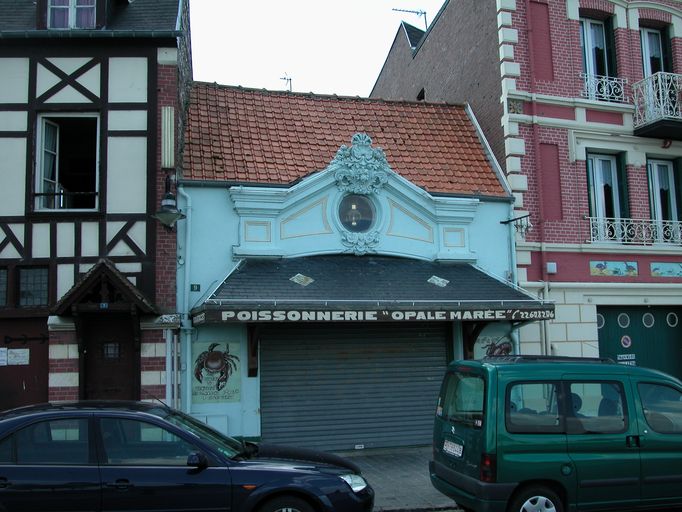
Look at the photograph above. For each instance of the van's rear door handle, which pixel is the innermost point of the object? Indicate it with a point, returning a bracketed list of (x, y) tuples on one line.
[(632, 441)]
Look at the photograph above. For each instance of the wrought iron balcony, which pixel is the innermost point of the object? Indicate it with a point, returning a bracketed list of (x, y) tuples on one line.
[(635, 231), (604, 88), (657, 102)]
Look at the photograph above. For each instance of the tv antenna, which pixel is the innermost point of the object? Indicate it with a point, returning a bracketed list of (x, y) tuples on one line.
[(287, 79), (418, 13)]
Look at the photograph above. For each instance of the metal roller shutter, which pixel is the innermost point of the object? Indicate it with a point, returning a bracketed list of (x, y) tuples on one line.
[(334, 387)]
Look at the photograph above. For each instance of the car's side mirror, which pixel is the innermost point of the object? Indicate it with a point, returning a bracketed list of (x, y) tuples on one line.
[(197, 460)]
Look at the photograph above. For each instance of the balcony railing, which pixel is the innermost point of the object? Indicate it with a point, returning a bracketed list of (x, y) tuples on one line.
[(635, 231), (604, 88), (657, 98)]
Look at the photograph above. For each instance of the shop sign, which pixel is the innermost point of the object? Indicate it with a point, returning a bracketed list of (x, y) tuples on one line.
[(216, 376), (294, 315)]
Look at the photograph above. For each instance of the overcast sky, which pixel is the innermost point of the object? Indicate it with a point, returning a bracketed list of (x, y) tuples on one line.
[(324, 46)]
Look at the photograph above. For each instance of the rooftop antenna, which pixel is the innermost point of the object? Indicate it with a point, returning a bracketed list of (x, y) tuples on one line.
[(418, 13), (287, 79)]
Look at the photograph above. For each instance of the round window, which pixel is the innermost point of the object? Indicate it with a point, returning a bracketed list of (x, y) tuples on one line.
[(648, 320), (624, 320), (600, 321), (672, 319), (356, 213)]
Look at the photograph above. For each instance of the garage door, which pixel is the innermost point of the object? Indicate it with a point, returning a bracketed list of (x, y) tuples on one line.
[(342, 387)]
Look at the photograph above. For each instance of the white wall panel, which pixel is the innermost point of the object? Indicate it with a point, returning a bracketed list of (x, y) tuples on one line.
[(41, 241), (127, 175), (12, 174), (65, 239), (13, 121), (127, 79), (127, 120), (13, 80), (138, 233), (90, 239), (64, 279)]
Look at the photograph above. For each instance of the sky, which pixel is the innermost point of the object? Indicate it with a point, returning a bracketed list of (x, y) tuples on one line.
[(322, 46)]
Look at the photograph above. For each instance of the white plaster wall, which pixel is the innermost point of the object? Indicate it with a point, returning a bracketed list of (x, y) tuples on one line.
[(66, 239), (65, 279), (90, 239), (127, 175), (12, 175), (13, 121), (41, 240), (127, 120), (127, 79), (13, 80)]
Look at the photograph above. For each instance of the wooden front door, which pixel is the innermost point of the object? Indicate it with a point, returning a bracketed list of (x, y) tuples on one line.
[(111, 358)]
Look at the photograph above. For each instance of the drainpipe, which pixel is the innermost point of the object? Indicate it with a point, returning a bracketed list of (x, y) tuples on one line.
[(185, 323), (170, 366), (512, 253)]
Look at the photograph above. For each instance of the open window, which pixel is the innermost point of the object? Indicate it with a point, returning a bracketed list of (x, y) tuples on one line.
[(67, 162), (69, 14), (600, 76)]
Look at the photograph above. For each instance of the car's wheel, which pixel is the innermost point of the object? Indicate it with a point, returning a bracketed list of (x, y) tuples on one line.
[(286, 504), (536, 499)]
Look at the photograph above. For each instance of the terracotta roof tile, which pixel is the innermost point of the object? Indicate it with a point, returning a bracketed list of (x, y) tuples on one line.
[(245, 135)]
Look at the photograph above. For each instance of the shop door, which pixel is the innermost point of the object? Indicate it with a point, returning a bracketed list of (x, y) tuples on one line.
[(110, 358), (342, 387), (641, 336)]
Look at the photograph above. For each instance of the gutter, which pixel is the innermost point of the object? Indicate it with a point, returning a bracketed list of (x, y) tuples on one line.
[(185, 322), (90, 34)]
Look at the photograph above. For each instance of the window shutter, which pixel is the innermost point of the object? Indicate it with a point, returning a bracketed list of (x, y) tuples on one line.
[(610, 37), (590, 186), (667, 50), (623, 188), (677, 173)]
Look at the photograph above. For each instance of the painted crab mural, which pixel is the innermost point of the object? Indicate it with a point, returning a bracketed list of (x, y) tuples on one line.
[(214, 361)]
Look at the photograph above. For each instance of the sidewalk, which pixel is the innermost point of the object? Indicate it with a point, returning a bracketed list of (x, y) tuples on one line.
[(400, 478)]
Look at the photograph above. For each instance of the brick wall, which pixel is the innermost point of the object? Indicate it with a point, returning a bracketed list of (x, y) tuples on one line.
[(63, 378)]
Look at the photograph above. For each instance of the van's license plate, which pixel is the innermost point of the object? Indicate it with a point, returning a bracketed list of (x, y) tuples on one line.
[(452, 448)]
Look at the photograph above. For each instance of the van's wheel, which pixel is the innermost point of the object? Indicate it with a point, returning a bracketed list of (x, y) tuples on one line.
[(536, 499), (286, 504)]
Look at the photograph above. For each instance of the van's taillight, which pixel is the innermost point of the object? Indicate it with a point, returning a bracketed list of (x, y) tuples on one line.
[(488, 468)]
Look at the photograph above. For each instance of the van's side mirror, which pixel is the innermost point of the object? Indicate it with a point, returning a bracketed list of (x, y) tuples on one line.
[(197, 460)]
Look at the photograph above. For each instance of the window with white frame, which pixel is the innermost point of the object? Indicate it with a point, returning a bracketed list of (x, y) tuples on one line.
[(67, 162), (606, 187), (664, 190), (652, 51), (593, 42), (66, 14), (599, 64)]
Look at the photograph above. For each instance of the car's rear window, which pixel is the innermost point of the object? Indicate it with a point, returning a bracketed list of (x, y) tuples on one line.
[(462, 399)]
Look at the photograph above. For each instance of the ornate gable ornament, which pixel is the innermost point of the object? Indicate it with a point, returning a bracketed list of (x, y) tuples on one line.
[(360, 169)]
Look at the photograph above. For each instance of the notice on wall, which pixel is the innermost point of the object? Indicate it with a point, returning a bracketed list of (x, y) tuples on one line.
[(18, 356), (3, 356), (217, 372)]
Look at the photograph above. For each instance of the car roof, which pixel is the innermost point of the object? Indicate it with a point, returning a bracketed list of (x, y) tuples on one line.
[(547, 365), (80, 406)]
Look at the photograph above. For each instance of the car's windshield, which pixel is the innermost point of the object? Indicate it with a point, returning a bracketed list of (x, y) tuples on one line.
[(224, 444)]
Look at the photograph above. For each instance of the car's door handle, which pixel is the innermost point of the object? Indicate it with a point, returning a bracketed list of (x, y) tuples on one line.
[(121, 484), (632, 441)]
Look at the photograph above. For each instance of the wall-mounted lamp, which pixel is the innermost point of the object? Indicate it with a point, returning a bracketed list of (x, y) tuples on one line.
[(168, 214)]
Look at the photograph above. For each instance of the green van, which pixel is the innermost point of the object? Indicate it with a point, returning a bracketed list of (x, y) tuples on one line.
[(553, 434)]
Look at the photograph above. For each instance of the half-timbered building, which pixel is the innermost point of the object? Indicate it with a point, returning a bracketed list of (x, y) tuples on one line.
[(89, 116)]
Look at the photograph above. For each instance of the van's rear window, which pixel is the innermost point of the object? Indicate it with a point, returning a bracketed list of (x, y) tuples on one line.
[(463, 397)]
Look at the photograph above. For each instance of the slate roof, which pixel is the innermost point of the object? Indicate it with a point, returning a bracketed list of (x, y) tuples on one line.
[(414, 35), (256, 136), (19, 16), (368, 280)]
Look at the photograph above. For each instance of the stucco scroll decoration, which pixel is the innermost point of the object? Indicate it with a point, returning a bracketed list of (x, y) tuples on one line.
[(360, 169), (361, 243)]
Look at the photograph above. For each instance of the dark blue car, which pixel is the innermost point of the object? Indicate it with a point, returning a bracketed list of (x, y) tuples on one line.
[(107, 456)]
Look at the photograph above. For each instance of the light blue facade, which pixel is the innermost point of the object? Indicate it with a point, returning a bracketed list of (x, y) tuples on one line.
[(225, 224)]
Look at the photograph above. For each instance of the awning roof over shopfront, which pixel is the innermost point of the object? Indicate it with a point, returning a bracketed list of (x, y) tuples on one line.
[(367, 288)]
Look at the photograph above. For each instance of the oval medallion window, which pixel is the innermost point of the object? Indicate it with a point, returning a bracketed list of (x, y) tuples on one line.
[(672, 319), (600, 321), (648, 320), (356, 213), (623, 320)]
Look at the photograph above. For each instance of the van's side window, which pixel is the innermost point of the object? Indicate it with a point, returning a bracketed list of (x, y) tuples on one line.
[(662, 407), (463, 400), (532, 408), (595, 407)]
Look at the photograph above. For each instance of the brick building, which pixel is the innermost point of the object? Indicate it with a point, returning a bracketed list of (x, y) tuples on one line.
[(580, 101), (90, 117)]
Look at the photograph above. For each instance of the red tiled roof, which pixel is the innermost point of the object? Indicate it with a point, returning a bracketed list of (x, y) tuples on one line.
[(258, 136)]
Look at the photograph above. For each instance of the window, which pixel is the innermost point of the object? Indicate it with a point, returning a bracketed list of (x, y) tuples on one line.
[(463, 400), (595, 407), (608, 192), (662, 407), (54, 442), (33, 287), (356, 213), (132, 442), (532, 407), (3, 287), (599, 65), (65, 14), (652, 51), (67, 176)]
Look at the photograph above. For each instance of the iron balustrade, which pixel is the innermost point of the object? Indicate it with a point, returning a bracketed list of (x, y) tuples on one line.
[(657, 98), (604, 88), (635, 231)]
